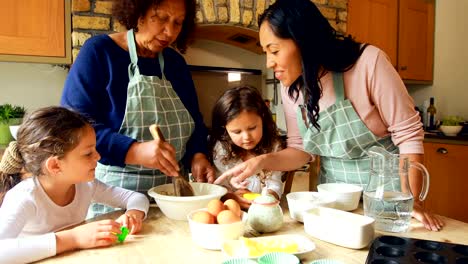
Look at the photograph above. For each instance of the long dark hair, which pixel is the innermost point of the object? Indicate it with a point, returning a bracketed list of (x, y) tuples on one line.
[(47, 132), (229, 106), (322, 48), (127, 13)]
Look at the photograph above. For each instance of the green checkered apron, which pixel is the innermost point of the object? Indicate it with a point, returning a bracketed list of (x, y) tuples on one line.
[(150, 100), (342, 141)]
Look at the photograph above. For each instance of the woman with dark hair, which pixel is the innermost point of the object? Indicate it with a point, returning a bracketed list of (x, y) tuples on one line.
[(130, 80), (340, 98), (243, 128)]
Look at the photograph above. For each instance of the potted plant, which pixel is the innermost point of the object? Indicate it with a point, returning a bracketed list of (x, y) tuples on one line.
[(451, 125), (10, 115)]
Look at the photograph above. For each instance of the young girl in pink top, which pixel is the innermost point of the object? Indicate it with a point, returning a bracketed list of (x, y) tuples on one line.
[(340, 98), (58, 147)]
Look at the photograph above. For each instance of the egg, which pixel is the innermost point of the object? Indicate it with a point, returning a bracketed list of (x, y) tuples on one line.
[(227, 217), (215, 206), (203, 217), (232, 205)]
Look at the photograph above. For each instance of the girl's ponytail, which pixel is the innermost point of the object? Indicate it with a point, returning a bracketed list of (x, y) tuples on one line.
[(10, 168)]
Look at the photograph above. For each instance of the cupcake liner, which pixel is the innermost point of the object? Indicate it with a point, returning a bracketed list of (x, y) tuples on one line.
[(278, 258), (239, 261), (326, 261)]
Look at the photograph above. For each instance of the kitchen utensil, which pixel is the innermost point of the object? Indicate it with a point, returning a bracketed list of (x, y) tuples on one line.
[(212, 236), (266, 244), (299, 202), (347, 195), (450, 131), (387, 197), (339, 227), (392, 249), (181, 186), (265, 214), (178, 207)]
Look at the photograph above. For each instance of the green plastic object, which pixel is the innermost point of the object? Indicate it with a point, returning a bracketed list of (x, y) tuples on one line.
[(121, 237)]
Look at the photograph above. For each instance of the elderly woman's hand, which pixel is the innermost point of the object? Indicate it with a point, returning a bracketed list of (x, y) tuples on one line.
[(154, 154), (202, 170)]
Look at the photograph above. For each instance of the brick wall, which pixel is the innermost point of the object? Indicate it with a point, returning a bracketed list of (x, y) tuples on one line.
[(92, 17)]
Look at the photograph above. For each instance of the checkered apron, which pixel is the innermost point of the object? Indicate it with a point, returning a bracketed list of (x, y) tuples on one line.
[(342, 141), (150, 100)]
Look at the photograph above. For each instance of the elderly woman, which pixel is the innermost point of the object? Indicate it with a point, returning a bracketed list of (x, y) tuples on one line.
[(127, 81)]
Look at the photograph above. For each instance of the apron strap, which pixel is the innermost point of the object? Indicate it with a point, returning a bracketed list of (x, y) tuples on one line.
[(161, 64), (338, 86), (133, 67)]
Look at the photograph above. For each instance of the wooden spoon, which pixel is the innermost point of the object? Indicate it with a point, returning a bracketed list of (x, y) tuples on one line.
[(181, 186)]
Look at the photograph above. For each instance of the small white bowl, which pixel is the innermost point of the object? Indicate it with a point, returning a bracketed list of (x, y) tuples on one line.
[(178, 207), (14, 131), (450, 130), (338, 227), (347, 195), (212, 236), (299, 202)]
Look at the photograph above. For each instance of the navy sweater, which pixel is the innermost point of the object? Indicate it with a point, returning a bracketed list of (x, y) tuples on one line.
[(96, 86)]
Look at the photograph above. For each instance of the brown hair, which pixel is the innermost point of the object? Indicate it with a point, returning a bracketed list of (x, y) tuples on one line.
[(127, 12), (228, 107), (47, 132)]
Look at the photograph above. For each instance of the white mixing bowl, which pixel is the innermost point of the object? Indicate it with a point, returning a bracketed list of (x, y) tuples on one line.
[(178, 207)]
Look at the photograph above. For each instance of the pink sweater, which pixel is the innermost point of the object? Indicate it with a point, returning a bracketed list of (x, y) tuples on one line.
[(379, 97)]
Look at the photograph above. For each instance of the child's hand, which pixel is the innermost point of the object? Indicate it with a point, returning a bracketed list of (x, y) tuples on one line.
[(96, 234), (238, 197), (132, 219)]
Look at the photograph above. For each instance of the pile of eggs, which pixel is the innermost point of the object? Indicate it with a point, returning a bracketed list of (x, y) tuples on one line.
[(218, 212)]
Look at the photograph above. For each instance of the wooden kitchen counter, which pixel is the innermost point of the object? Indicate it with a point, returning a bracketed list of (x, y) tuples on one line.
[(167, 241)]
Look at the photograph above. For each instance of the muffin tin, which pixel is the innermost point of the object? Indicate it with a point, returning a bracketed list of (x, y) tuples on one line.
[(394, 250)]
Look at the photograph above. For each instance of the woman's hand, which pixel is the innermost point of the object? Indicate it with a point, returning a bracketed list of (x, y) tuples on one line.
[(133, 220), (430, 221), (202, 170), (242, 171), (155, 154)]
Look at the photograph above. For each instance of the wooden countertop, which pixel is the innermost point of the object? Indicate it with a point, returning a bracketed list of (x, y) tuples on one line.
[(167, 241)]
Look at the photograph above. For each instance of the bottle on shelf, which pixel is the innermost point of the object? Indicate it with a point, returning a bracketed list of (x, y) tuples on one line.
[(431, 115)]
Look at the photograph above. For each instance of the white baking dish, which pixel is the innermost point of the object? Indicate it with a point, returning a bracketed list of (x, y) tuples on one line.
[(339, 227)]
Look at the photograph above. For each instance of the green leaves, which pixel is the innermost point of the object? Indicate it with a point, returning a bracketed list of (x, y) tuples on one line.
[(8, 111), (452, 121)]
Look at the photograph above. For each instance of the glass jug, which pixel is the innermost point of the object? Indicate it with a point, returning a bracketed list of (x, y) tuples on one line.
[(387, 197)]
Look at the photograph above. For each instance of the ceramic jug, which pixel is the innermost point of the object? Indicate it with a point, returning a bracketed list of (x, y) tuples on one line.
[(387, 197), (265, 214)]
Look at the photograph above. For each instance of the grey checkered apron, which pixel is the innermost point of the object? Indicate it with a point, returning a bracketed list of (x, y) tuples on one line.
[(150, 100), (342, 141)]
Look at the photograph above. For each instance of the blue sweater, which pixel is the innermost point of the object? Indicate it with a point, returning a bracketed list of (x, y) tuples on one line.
[(96, 86)]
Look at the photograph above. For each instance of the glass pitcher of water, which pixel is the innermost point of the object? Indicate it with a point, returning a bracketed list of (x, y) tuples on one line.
[(387, 197)]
